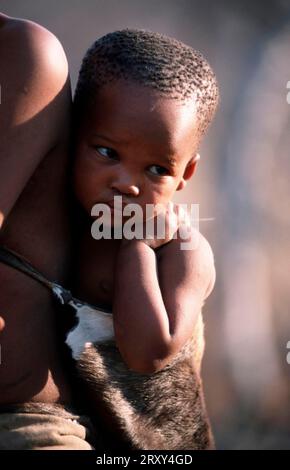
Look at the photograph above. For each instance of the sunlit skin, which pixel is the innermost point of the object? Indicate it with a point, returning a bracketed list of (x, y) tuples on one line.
[(136, 144), (34, 119), (142, 156)]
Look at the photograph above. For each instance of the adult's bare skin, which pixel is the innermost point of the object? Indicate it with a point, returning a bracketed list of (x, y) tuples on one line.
[(34, 117)]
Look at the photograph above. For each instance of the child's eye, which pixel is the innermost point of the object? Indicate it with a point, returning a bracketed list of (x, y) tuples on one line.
[(106, 152), (158, 170)]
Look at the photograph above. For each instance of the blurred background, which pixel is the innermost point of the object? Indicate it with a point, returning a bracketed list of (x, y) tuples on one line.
[(243, 184)]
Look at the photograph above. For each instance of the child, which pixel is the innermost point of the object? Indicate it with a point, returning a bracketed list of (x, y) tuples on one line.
[(142, 103)]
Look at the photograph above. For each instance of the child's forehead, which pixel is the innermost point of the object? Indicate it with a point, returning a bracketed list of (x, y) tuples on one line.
[(126, 107), (146, 96)]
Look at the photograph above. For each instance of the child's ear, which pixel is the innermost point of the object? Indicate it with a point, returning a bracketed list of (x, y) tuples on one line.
[(188, 172)]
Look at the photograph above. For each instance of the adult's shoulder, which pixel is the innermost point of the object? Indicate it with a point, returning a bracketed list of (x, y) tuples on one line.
[(35, 103), (31, 52)]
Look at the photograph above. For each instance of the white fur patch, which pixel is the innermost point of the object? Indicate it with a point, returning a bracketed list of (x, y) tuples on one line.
[(94, 326)]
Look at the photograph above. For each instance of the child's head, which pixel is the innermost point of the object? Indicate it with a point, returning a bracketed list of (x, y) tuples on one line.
[(142, 103)]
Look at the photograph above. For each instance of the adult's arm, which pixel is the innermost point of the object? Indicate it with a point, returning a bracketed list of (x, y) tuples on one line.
[(35, 100)]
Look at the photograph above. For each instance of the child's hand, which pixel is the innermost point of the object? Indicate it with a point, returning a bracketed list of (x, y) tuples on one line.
[(165, 225)]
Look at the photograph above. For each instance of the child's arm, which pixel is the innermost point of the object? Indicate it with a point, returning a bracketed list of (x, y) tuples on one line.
[(155, 307)]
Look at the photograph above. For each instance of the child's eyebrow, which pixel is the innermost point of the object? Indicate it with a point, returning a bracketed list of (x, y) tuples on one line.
[(112, 141), (170, 161)]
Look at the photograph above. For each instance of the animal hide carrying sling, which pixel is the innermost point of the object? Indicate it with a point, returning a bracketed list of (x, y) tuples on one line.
[(160, 411)]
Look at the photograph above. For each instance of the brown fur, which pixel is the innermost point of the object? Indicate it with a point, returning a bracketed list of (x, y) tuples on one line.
[(164, 410)]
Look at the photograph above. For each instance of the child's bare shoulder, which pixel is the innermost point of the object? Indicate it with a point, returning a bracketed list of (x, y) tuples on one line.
[(204, 258), (192, 260)]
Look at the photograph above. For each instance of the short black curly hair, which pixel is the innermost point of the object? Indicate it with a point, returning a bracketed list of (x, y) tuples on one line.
[(153, 60)]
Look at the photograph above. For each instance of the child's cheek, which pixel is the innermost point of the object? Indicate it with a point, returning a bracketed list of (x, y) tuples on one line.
[(163, 195)]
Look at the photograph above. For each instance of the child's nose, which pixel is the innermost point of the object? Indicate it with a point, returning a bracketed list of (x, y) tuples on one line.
[(124, 183)]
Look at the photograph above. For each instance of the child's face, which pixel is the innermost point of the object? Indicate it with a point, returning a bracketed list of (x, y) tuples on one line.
[(134, 144)]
